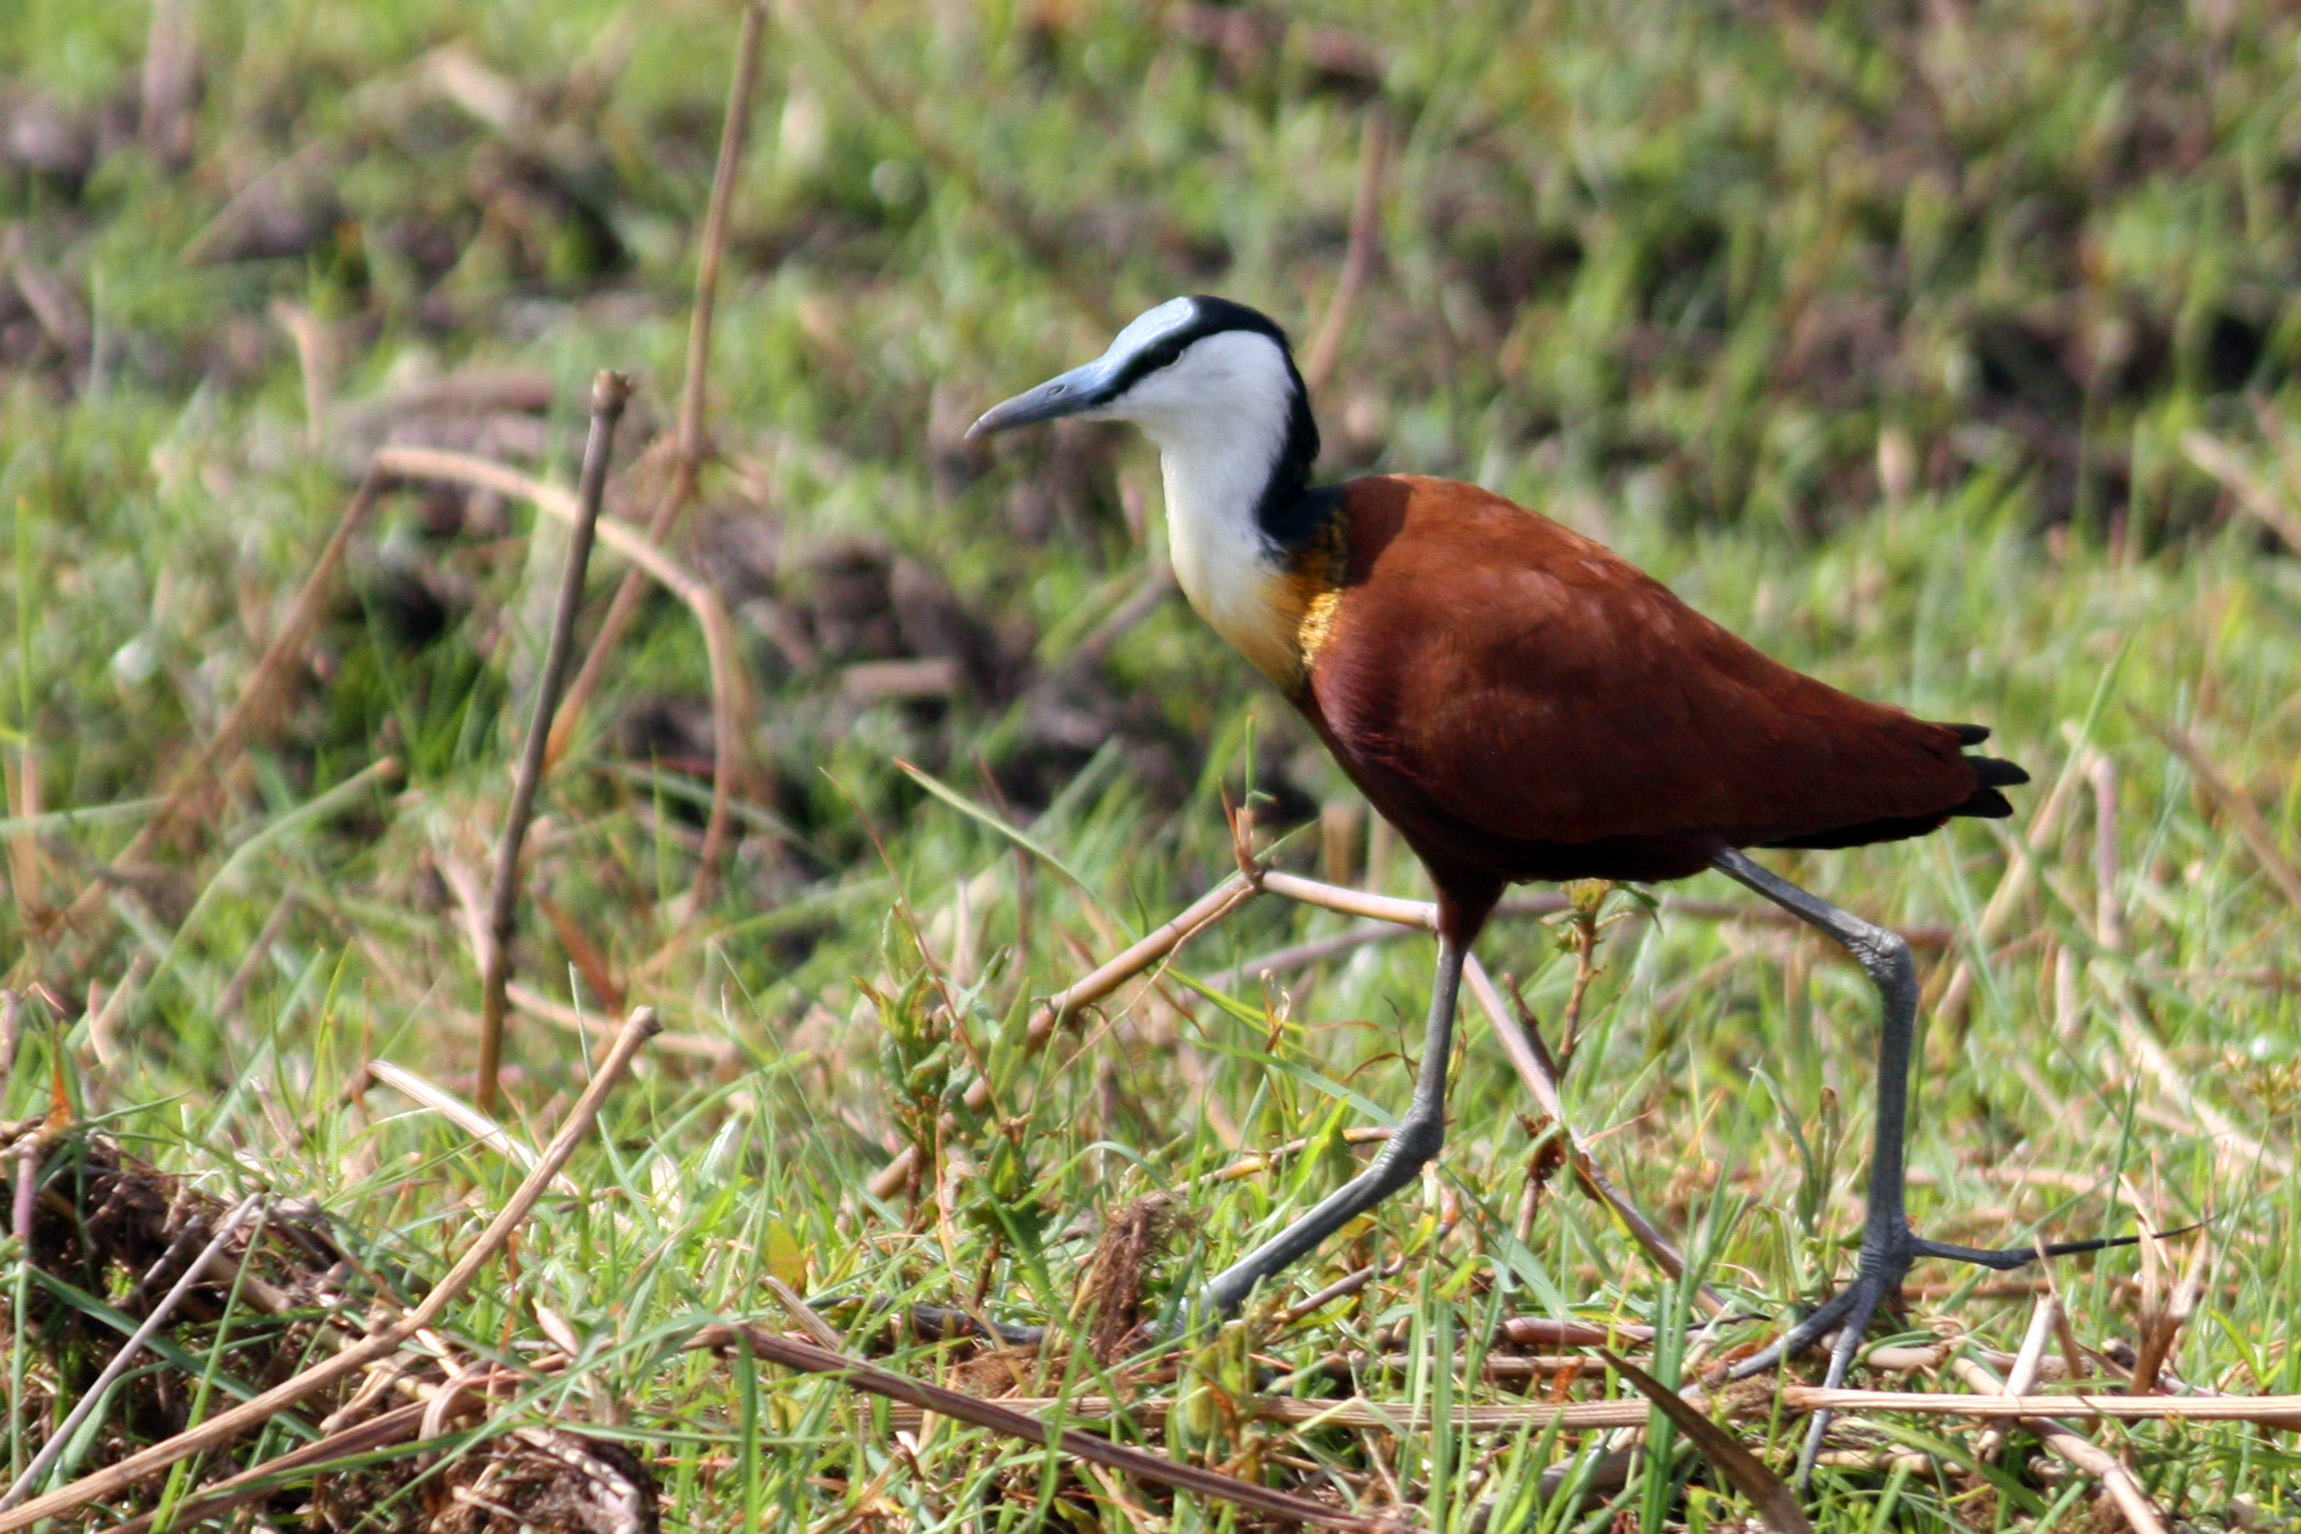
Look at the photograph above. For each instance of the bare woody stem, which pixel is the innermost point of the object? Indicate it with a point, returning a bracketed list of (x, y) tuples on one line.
[(687, 437), (1094, 1448), (609, 393)]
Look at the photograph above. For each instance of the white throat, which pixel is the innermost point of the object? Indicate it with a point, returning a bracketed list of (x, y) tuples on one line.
[(1219, 417)]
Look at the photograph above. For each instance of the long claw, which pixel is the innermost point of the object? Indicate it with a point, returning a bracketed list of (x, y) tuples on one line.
[(2006, 1259), (1866, 1293)]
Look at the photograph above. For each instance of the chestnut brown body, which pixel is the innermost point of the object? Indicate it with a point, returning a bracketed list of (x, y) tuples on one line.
[(1524, 704)]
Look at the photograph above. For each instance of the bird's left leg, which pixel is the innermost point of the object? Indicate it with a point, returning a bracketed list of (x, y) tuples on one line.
[(1888, 1245), (1414, 1142)]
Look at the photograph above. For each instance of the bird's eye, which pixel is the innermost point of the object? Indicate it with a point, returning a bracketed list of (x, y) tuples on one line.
[(1165, 353)]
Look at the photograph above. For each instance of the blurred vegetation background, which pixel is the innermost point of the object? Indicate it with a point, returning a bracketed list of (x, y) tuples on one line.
[(1946, 349)]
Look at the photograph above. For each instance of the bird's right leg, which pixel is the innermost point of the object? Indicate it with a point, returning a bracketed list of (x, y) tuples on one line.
[(1888, 1244)]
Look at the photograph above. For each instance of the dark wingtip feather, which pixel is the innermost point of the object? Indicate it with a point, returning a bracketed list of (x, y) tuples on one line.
[(1985, 804), (1997, 773), (1970, 734)]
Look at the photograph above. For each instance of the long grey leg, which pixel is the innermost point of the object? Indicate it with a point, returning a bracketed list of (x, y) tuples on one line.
[(1885, 957), (1418, 1137), (1888, 1246), (1886, 1241)]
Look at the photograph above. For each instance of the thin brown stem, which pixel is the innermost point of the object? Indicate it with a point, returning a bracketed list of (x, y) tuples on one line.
[(1449, 1215), (93, 1396), (1106, 978), (730, 698), (609, 393), (2074, 1448), (687, 436), (1093, 1448), (262, 1480), (1531, 1059), (1325, 348), (1583, 924)]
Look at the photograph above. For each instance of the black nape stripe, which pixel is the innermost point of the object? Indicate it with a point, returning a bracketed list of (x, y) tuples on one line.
[(1293, 524), (1286, 513)]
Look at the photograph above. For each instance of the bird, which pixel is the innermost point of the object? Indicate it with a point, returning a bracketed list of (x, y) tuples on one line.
[(1522, 704)]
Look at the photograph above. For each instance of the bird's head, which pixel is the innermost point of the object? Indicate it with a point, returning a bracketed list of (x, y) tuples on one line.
[(1190, 368), (1213, 384)]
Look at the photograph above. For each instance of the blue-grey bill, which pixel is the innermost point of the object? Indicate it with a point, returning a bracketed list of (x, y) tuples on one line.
[(1082, 388)]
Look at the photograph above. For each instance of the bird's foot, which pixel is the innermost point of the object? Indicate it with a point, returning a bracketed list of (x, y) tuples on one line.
[(1877, 1281)]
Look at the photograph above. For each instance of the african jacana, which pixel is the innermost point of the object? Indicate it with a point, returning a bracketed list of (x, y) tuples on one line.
[(1521, 704)]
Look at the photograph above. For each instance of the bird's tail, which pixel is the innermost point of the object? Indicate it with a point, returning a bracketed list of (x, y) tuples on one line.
[(1985, 802)]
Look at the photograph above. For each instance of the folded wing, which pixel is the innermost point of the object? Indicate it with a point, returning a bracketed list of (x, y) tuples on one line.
[(1529, 685)]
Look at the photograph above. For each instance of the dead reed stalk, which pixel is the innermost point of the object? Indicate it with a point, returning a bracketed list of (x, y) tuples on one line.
[(610, 392), (687, 435)]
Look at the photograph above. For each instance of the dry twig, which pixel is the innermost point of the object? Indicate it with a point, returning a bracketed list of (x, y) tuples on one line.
[(93, 1396), (687, 440), (1392, 917), (2268, 1410), (1325, 348), (2075, 1448), (1449, 1215), (2026, 1366), (1531, 1059), (459, 1113), (1092, 987), (1358, 1412), (1243, 886), (2161, 1323), (609, 393), (378, 1432), (1002, 1418), (722, 1052)]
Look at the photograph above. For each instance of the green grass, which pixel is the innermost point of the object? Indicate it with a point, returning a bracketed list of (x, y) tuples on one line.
[(1877, 338)]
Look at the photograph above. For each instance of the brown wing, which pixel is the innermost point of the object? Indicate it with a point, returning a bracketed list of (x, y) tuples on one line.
[(1530, 685)]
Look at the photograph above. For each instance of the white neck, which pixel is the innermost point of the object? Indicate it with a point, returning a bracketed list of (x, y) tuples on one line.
[(1220, 437)]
